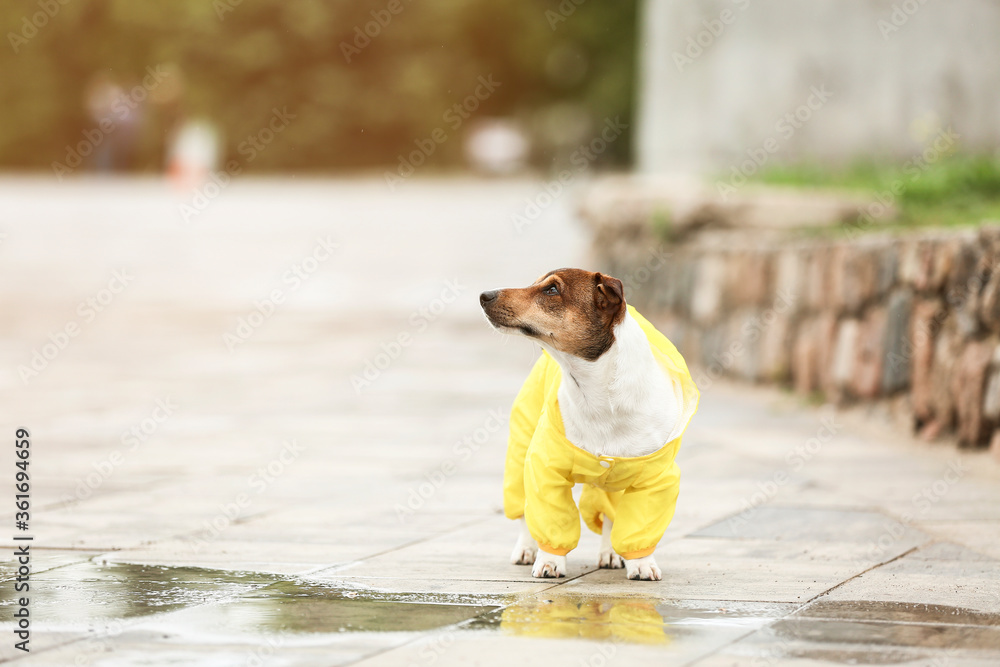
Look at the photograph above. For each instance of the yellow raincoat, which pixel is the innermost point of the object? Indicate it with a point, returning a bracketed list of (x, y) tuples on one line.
[(637, 493)]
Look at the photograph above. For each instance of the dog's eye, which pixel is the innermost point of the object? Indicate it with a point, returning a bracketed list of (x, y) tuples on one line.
[(551, 290)]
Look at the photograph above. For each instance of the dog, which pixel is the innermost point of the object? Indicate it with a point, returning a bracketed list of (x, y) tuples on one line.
[(605, 405)]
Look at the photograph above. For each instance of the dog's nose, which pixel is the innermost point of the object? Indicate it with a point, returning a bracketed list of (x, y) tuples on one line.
[(486, 298)]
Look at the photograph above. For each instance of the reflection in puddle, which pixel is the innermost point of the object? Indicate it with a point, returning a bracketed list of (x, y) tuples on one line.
[(626, 620)]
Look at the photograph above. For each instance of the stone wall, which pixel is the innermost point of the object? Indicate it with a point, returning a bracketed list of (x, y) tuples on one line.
[(914, 318)]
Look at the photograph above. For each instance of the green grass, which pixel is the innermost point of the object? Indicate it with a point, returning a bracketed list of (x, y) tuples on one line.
[(952, 191)]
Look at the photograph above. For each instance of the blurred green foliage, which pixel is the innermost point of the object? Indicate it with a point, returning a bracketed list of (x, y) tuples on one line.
[(242, 58), (959, 189)]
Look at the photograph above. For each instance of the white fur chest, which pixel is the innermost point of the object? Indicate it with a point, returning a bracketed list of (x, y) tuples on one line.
[(622, 404)]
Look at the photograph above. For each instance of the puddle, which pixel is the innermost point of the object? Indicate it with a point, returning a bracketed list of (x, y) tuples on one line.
[(209, 606), (238, 601), (728, 613), (875, 633), (200, 602), (898, 612), (888, 631), (893, 635), (88, 591), (303, 607)]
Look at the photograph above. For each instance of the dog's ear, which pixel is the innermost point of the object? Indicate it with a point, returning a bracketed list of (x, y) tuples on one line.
[(610, 294)]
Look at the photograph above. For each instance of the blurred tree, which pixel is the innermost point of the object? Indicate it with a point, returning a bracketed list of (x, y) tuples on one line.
[(363, 80)]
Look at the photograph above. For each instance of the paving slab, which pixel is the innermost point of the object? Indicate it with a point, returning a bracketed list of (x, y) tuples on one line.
[(379, 538), (965, 585)]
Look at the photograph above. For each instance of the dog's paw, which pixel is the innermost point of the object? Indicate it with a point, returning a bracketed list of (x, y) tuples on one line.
[(643, 569), (525, 548), (609, 560), (549, 566), (523, 554)]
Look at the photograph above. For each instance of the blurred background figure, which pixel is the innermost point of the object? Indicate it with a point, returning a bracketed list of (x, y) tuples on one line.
[(193, 153), (191, 146), (116, 124), (497, 146)]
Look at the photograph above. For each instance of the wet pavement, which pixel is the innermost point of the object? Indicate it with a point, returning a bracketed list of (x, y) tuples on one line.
[(281, 443)]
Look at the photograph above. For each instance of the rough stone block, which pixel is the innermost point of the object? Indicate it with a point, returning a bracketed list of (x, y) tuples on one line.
[(690, 342), (761, 286), (919, 348), (859, 278), (664, 286), (817, 280), (909, 262), (888, 269), (789, 277), (968, 386), (947, 347), (685, 286), (898, 347), (712, 342), (747, 278), (836, 270), (845, 353), (923, 265), (989, 306), (989, 243), (743, 346), (775, 348), (735, 265), (966, 265), (707, 297), (870, 344), (805, 358), (944, 257), (826, 340), (991, 399)]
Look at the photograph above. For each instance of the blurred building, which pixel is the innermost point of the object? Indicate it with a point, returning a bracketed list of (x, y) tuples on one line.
[(724, 81)]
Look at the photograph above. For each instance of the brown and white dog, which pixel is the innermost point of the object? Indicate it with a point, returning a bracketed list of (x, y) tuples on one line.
[(615, 399)]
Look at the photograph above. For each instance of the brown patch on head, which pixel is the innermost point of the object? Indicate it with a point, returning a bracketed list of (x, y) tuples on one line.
[(572, 310)]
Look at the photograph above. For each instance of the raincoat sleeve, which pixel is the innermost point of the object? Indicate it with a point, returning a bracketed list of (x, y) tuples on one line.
[(524, 416)]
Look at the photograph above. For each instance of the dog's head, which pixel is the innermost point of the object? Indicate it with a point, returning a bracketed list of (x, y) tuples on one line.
[(571, 310)]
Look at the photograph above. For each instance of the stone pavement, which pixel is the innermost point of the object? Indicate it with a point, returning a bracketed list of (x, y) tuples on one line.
[(211, 486)]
